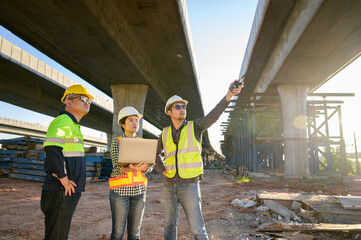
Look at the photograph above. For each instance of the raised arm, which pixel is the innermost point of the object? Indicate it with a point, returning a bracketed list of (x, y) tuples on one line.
[(207, 121)]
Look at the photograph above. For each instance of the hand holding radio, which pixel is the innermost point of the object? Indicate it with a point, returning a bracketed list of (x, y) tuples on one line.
[(235, 87), (237, 83)]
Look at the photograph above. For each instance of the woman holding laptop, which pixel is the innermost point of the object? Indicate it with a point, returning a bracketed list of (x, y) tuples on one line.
[(127, 182)]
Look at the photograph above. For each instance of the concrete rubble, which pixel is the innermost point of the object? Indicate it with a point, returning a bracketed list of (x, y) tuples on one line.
[(289, 217), (283, 211)]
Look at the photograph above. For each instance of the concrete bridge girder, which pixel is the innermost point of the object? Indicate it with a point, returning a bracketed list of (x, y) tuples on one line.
[(27, 82), (17, 127), (115, 42), (294, 44)]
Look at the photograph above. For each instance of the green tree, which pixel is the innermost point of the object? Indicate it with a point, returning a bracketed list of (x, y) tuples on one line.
[(336, 159)]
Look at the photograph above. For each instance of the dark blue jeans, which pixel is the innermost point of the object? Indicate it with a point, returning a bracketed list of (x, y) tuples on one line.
[(58, 210), (126, 211)]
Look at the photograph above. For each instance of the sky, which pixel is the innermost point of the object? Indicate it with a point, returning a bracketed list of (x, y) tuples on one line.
[(220, 32)]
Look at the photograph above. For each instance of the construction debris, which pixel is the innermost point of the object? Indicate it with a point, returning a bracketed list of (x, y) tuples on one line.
[(350, 202), (290, 215), (262, 208), (305, 214), (280, 209), (243, 203), (291, 236), (307, 227), (296, 205), (326, 208)]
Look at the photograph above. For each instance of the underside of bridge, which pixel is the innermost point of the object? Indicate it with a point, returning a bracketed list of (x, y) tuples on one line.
[(115, 42), (294, 47)]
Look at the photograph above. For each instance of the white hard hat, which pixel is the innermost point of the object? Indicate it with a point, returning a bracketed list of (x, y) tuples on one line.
[(128, 111), (172, 100)]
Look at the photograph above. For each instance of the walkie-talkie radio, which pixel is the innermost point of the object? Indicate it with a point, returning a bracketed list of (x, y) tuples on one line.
[(237, 83)]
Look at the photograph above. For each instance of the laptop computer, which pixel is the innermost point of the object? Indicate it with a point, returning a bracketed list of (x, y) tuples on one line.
[(136, 150)]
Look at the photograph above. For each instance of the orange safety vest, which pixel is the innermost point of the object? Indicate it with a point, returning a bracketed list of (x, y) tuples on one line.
[(128, 179)]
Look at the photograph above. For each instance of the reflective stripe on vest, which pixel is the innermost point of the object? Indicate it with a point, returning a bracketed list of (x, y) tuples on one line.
[(55, 140), (73, 154), (74, 140), (189, 153), (128, 179)]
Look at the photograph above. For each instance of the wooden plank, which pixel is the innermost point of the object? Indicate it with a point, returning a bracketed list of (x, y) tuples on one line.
[(9, 152), (90, 174), (350, 202), (27, 177), (97, 154), (5, 159), (25, 160), (307, 227), (28, 171), (22, 140), (14, 146), (93, 159), (40, 155), (91, 169), (287, 196), (90, 164), (35, 146), (28, 166)]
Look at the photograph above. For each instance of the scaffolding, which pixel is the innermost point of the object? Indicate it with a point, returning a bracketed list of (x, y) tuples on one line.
[(253, 134), (327, 153)]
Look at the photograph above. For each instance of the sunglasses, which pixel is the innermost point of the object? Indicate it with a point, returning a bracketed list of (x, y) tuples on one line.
[(178, 107), (83, 99)]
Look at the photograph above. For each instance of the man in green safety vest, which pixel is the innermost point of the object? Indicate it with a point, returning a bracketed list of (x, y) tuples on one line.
[(64, 164), (183, 166)]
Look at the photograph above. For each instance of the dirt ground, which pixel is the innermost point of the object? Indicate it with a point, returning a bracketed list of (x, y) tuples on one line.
[(21, 217)]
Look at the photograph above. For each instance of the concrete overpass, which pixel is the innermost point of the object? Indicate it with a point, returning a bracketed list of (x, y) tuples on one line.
[(294, 47), (17, 127), (140, 53), (28, 82)]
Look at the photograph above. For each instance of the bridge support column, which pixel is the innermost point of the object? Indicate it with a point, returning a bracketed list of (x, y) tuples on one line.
[(293, 100), (128, 95), (109, 140)]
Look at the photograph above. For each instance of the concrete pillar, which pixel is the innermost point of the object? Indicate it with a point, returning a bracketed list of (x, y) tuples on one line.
[(109, 140), (128, 95), (293, 100)]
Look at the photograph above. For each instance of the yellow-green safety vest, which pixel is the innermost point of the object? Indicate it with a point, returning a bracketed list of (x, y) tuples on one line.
[(65, 133), (128, 179), (189, 157)]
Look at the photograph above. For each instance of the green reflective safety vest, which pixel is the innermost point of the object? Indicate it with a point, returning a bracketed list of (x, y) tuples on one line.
[(188, 152), (64, 132)]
